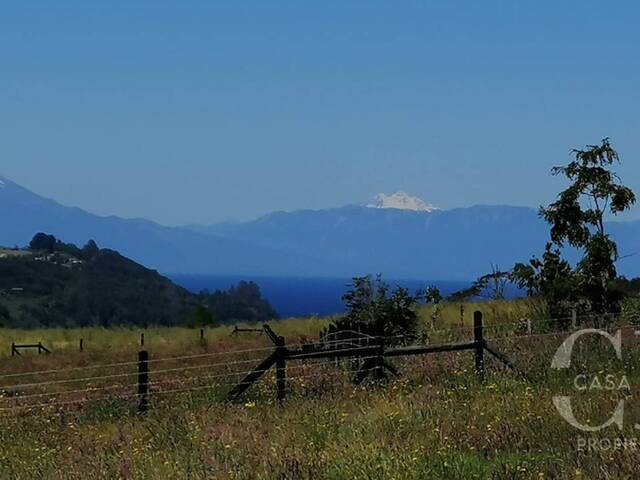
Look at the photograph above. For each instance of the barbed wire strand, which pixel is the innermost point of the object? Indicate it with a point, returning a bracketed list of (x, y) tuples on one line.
[(168, 370), (331, 344), (169, 359), (152, 383), (154, 393)]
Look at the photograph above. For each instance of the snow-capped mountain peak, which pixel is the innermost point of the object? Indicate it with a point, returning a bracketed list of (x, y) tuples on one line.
[(401, 201)]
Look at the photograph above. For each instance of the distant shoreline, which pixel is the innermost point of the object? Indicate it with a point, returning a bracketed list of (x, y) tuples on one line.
[(299, 296)]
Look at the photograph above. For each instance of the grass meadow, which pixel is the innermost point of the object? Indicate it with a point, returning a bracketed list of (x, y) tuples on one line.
[(437, 420)]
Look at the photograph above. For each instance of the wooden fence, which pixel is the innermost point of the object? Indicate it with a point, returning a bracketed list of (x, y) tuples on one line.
[(371, 355), (15, 348), (375, 353)]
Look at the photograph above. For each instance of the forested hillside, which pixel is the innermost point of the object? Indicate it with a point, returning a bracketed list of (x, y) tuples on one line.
[(58, 284)]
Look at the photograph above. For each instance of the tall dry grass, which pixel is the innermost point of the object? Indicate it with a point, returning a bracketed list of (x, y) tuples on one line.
[(436, 421)]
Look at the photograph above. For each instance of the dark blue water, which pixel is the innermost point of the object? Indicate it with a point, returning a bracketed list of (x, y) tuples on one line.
[(301, 297)]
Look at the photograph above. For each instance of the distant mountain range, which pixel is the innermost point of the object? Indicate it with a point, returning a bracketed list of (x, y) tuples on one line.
[(397, 235), (167, 249)]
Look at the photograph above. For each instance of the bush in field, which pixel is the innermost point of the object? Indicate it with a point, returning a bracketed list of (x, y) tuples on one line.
[(550, 278), (369, 300), (201, 316)]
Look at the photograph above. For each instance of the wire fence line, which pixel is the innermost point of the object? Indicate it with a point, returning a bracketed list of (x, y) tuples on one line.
[(161, 382), (98, 389), (123, 364), (337, 343), (465, 328), (342, 372), (183, 357), (349, 342), (354, 345), (333, 343), (556, 333)]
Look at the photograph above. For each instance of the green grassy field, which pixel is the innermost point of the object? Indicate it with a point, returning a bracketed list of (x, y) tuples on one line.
[(295, 329), (435, 421)]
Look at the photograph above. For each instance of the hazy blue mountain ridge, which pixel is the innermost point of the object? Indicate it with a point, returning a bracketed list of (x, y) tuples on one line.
[(167, 249), (458, 244), (452, 244)]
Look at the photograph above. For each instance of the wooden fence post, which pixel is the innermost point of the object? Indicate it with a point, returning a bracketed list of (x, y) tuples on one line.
[(143, 382), (478, 338), (13, 349), (281, 368), (528, 326), (81, 344), (142, 339), (201, 334)]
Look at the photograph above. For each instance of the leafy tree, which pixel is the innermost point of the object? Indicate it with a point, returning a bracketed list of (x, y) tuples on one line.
[(491, 285), (42, 241), (627, 287), (461, 295), (398, 316), (432, 295), (242, 302), (201, 316), (494, 283), (525, 276), (361, 298), (551, 278), (369, 301), (90, 250), (50, 244), (577, 218)]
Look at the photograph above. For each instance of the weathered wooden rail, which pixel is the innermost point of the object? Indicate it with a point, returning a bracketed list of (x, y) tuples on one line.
[(374, 352), (15, 348), (236, 330)]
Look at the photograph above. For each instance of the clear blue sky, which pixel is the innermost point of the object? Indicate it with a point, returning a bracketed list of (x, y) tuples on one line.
[(192, 111)]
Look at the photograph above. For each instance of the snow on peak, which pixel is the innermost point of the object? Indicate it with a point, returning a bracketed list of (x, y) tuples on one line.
[(401, 201), (2, 183)]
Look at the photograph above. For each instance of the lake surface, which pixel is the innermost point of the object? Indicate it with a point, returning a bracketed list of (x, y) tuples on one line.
[(298, 297)]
